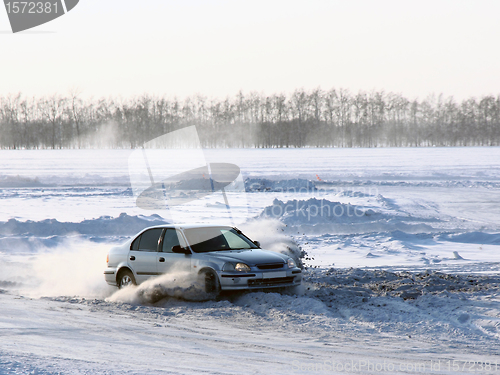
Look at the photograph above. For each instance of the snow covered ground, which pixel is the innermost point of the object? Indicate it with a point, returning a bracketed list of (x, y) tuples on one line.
[(401, 246)]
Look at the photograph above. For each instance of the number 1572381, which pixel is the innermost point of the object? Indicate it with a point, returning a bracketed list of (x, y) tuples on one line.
[(31, 7)]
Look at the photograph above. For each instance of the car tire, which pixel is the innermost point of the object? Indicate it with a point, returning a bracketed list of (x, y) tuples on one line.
[(210, 283), (126, 278)]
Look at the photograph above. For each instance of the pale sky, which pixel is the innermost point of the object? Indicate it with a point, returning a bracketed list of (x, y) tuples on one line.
[(216, 48)]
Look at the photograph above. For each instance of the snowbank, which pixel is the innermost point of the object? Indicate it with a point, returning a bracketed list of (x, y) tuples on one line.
[(318, 211), (103, 226), (295, 185), (17, 181), (39, 236)]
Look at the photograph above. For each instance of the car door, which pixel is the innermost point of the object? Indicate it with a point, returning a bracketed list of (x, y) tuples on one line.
[(169, 262), (143, 254)]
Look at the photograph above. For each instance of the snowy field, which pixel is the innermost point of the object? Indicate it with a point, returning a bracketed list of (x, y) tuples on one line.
[(401, 249)]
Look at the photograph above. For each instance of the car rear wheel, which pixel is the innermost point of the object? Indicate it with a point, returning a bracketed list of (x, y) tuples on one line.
[(125, 278)]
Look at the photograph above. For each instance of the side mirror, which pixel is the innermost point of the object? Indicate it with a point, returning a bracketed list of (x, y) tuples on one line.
[(180, 250), (257, 243)]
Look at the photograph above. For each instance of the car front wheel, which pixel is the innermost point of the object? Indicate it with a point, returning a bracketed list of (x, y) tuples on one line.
[(210, 283), (126, 278)]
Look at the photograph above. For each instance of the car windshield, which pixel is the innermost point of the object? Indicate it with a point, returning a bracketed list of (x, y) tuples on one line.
[(203, 240)]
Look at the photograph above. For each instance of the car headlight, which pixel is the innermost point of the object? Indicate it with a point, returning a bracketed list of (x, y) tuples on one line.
[(242, 267), (291, 263)]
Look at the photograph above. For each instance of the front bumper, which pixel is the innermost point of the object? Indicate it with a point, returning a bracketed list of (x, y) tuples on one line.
[(260, 279)]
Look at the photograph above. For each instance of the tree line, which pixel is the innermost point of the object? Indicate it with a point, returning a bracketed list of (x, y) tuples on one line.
[(314, 118)]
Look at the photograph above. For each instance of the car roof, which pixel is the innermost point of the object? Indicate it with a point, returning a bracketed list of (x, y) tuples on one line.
[(189, 226)]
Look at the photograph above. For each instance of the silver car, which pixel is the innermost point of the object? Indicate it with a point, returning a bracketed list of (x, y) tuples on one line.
[(221, 258)]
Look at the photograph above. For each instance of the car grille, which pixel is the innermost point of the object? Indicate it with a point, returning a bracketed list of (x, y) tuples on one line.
[(271, 282), (270, 266)]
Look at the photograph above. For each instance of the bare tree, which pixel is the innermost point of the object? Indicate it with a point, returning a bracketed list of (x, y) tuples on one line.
[(52, 110), (335, 118), (76, 114)]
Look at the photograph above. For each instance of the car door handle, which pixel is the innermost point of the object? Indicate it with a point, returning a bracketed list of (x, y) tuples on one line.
[(132, 257), (161, 259)]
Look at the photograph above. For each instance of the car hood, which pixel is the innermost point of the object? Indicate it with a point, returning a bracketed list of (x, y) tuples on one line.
[(250, 256)]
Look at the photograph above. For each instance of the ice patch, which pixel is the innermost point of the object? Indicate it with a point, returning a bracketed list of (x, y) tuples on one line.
[(473, 237)]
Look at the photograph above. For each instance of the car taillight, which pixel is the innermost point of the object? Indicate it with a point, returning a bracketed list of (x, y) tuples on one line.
[(107, 258)]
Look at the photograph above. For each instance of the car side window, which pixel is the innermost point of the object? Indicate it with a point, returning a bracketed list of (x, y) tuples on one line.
[(170, 240), (149, 240), (135, 244)]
